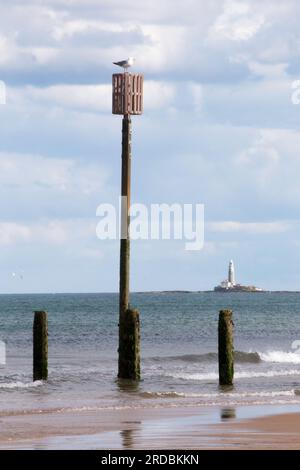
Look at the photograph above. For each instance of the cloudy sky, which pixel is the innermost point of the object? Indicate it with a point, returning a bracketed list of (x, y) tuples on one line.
[(219, 128)]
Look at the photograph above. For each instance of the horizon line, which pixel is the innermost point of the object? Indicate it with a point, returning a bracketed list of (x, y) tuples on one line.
[(182, 291)]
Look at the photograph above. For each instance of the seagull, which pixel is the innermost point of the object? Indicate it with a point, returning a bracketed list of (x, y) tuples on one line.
[(125, 63)]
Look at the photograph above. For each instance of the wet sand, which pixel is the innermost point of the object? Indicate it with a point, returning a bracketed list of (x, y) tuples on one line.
[(249, 427), (271, 432)]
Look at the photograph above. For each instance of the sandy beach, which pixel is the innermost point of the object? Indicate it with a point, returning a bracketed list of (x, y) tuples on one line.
[(160, 428)]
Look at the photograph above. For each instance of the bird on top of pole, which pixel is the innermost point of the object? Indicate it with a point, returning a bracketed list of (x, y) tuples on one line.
[(125, 64)]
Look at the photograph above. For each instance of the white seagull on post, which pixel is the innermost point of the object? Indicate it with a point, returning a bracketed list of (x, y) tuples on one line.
[(125, 64)]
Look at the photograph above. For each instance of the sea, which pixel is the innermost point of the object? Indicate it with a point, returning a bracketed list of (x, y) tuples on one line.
[(179, 333)]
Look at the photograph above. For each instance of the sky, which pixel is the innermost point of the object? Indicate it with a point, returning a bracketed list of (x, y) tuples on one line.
[(219, 128)]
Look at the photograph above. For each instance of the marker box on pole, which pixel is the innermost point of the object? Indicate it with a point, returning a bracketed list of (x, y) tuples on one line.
[(127, 93)]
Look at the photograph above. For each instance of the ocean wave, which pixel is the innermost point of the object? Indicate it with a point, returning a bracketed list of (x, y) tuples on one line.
[(240, 357), (252, 357), (237, 395), (18, 384), (283, 357), (280, 357), (237, 375), (164, 395)]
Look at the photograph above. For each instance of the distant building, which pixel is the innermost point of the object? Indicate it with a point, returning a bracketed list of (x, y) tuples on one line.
[(229, 285)]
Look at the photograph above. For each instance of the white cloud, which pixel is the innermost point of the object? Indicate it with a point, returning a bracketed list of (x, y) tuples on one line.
[(86, 97), (68, 29), (7, 50), (44, 55), (272, 164), (197, 90), (11, 232), (158, 94), (82, 39), (239, 21), (52, 232), (167, 50), (92, 98), (262, 154), (30, 172), (269, 71), (249, 227)]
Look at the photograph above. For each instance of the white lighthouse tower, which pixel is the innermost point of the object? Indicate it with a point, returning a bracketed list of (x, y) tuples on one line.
[(229, 285), (231, 276)]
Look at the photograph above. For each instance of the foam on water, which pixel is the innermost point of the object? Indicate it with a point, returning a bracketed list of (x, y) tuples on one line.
[(281, 393), (13, 385), (237, 375), (280, 357)]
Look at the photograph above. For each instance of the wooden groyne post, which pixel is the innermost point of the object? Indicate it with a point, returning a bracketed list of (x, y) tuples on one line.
[(127, 99), (226, 350), (129, 345), (40, 345)]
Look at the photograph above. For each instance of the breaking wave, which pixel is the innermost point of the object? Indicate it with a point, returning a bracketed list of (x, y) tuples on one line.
[(280, 357), (238, 375), (240, 356), (172, 394), (9, 385), (283, 357)]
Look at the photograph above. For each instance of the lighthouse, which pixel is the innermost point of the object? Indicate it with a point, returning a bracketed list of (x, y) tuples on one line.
[(231, 276), (229, 285)]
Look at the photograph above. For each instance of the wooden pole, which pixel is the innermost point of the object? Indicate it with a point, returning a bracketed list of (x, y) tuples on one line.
[(40, 346), (129, 349), (125, 219), (226, 351), (129, 324)]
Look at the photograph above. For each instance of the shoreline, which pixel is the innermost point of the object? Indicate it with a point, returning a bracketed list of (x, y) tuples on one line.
[(243, 427)]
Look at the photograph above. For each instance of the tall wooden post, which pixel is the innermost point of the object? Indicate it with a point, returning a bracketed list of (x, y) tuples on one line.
[(226, 351), (125, 218), (129, 322), (127, 100), (40, 346)]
